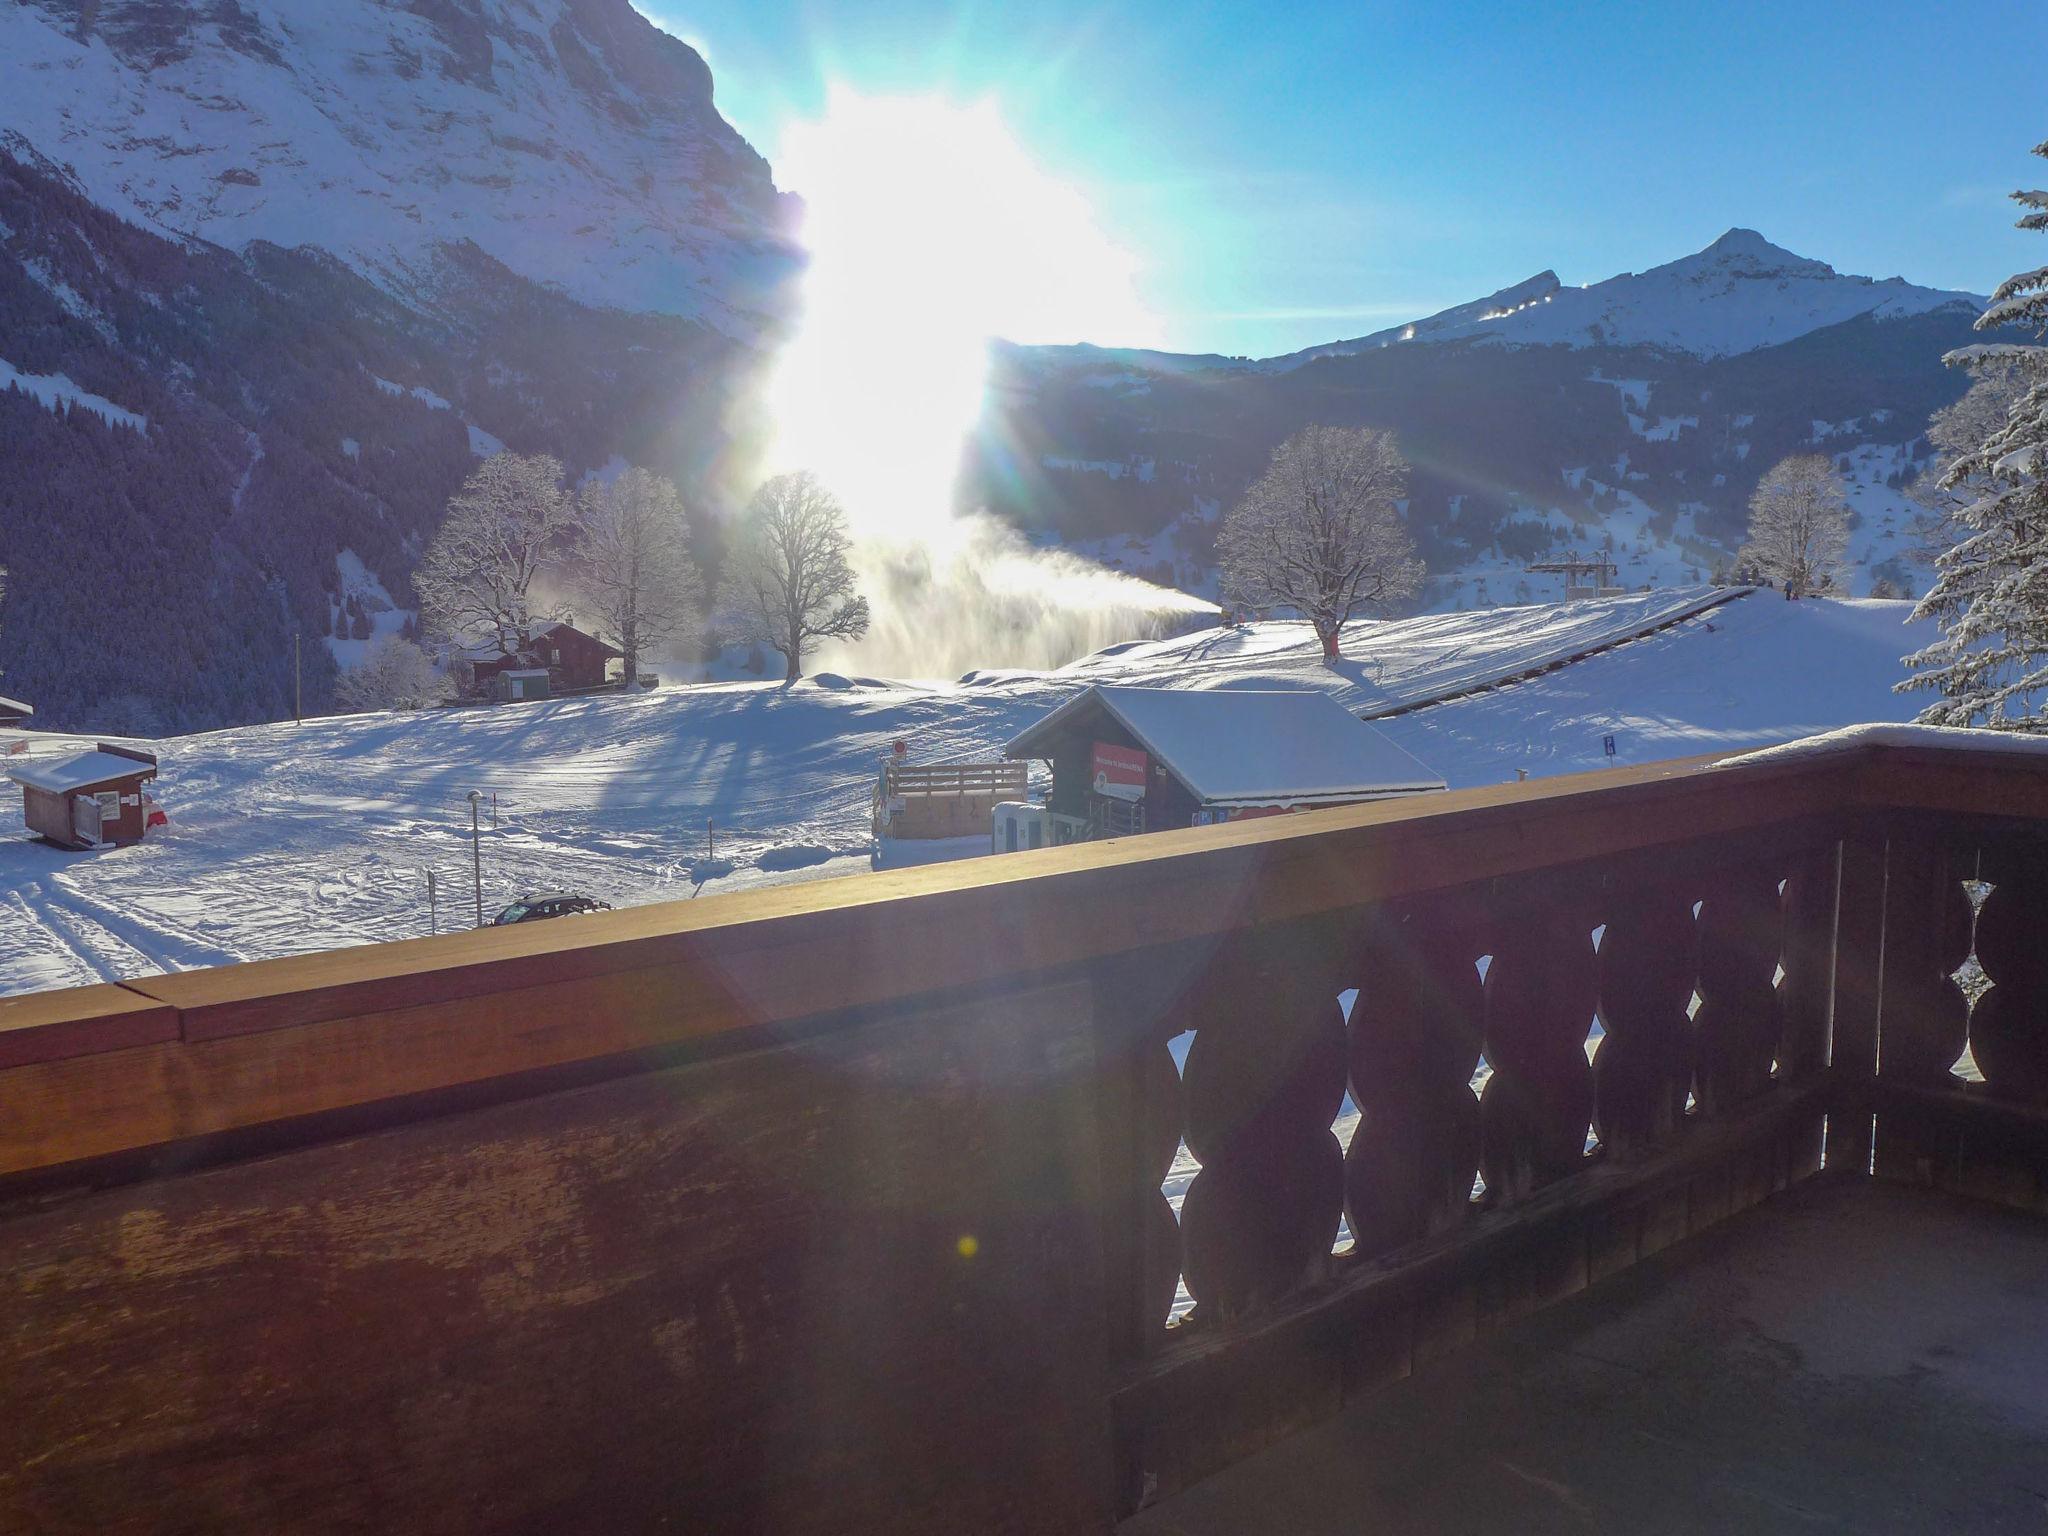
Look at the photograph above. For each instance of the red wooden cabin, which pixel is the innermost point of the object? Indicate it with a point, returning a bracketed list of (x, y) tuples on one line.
[(573, 660)]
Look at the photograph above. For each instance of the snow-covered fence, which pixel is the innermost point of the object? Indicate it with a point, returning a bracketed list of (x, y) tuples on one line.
[(839, 1207)]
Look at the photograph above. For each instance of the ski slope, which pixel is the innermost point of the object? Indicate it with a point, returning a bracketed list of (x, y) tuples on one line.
[(286, 839)]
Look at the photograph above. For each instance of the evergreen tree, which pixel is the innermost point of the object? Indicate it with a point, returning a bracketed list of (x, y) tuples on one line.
[(1990, 595)]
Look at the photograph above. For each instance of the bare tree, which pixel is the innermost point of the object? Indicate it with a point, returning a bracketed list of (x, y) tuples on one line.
[(1319, 531), (787, 579), (507, 524), (638, 574), (1798, 525), (395, 674)]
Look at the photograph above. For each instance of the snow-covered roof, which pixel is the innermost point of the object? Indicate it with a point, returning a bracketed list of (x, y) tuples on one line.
[(1947, 738), (15, 707), (61, 775), (1242, 747)]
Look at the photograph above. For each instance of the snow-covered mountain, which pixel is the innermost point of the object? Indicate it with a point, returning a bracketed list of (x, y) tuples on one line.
[(1739, 294), (570, 140), (274, 273), (1633, 415)]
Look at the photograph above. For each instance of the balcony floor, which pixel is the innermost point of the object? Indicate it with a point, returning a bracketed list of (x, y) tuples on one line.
[(1848, 1356)]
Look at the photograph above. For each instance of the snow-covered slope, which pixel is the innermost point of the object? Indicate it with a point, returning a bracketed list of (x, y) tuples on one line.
[(289, 839), (1739, 294), (569, 139), (1633, 417)]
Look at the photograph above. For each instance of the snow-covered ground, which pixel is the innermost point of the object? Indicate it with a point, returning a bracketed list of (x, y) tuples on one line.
[(285, 839)]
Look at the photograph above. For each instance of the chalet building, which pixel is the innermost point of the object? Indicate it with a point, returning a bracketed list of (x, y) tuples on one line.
[(1148, 759), (559, 659), (14, 712), (90, 799)]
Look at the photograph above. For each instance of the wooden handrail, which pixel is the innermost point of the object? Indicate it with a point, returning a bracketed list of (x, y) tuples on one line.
[(94, 1071), (853, 1197)]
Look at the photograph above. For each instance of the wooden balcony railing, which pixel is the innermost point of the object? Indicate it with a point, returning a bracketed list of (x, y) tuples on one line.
[(839, 1207)]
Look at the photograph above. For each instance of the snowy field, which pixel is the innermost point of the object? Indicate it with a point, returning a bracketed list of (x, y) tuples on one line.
[(286, 839)]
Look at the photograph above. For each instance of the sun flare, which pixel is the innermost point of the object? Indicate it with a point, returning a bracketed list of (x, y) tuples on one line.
[(930, 231)]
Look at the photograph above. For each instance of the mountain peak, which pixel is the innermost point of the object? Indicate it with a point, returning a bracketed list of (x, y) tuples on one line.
[(1745, 251), (1744, 242), (1739, 294)]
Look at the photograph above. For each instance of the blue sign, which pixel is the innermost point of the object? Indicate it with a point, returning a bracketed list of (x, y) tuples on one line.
[(1608, 742)]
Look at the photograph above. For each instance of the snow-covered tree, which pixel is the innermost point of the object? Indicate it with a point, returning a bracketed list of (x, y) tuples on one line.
[(638, 574), (1952, 432), (1990, 593), (1320, 531), (395, 674), (510, 521), (787, 577), (1798, 525)]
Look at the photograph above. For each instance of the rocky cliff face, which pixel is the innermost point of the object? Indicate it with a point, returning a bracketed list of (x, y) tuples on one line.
[(569, 140), (274, 273)]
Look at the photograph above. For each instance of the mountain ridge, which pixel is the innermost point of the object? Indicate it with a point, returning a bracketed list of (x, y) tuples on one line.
[(1740, 267), (570, 140)]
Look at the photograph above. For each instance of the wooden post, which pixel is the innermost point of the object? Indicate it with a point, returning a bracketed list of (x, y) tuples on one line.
[(476, 850), (1858, 984)]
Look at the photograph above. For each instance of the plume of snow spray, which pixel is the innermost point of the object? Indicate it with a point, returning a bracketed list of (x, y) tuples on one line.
[(982, 597), (888, 370)]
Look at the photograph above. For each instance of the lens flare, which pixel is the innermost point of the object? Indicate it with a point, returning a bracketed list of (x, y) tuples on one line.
[(930, 232)]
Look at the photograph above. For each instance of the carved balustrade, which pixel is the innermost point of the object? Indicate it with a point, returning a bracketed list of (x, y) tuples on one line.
[(704, 1189)]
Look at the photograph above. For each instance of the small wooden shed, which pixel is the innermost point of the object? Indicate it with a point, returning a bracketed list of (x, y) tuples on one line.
[(14, 712), (87, 799), (1148, 759)]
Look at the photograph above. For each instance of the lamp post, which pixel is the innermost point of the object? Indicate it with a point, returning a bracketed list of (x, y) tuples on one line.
[(476, 849)]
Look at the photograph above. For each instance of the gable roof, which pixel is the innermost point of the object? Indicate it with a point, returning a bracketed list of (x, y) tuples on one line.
[(15, 707), (61, 775), (486, 652), (1242, 747), (548, 629)]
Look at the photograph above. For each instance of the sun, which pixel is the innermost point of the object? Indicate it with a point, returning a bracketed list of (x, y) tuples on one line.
[(930, 232)]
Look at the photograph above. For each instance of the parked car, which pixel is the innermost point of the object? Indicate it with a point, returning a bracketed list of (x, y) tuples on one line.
[(531, 909)]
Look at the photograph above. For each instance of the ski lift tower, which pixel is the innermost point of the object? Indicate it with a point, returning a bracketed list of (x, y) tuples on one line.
[(1584, 575)]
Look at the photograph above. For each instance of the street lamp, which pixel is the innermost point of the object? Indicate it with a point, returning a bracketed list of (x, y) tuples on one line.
[(476, 849)]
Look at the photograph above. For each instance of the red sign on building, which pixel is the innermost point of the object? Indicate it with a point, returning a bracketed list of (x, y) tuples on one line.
[(1119, 772)]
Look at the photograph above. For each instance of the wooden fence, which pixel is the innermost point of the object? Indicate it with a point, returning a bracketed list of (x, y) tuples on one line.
[(837, 1207), (925, 800)]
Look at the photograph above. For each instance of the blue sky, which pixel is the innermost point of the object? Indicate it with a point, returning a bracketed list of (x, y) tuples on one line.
[(1290, 174)]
